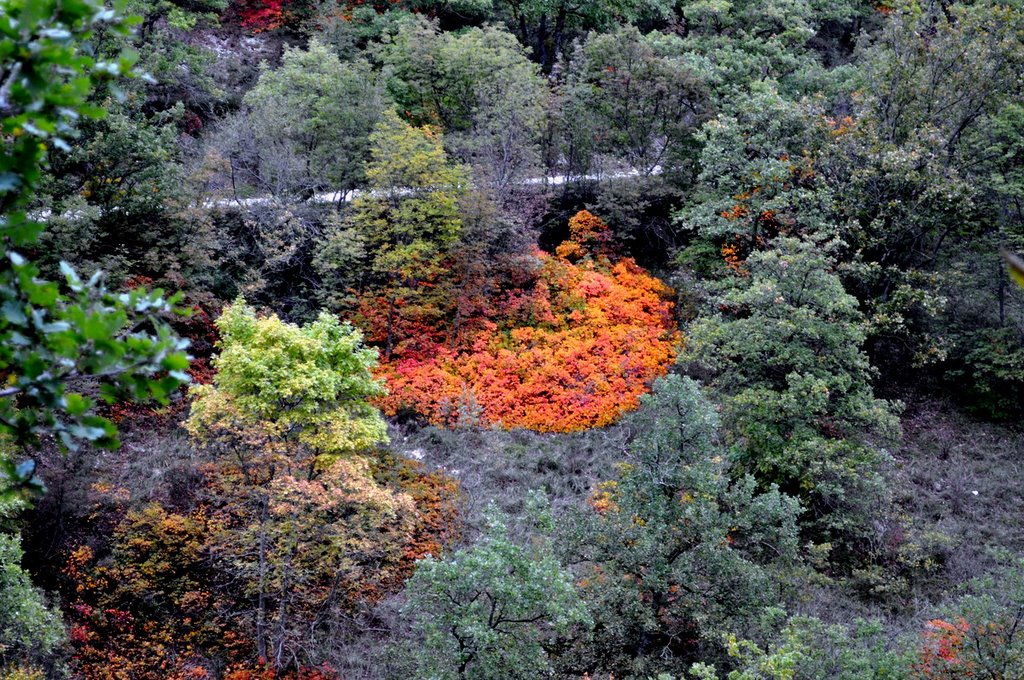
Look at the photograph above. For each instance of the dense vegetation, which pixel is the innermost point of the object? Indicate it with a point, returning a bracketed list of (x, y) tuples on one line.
[(490, 339)]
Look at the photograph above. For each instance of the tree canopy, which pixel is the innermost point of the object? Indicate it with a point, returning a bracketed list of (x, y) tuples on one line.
[(511, 339)]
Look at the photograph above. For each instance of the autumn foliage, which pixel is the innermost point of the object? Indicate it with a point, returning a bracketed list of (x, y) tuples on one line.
[(145, 609), (437, 519), (266, 15), (941, 655), (971, 647), (572, 348), (160, 598)]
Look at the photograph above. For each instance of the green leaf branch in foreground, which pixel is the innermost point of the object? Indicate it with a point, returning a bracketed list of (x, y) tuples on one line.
[(47, 74), (58, 341)]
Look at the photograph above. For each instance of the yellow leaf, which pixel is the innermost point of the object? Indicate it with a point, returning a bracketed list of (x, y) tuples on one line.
[(1016, 267)]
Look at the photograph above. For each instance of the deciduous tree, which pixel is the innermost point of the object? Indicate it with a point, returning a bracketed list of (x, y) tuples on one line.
[(481, 89), (31, 631), (628, 100), (308, 385), (306, 125), (492, 610), (784, 353), (407, 224), (306, 530)]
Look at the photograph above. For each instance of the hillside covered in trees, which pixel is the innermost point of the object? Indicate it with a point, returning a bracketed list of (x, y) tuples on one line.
[(511, 339)]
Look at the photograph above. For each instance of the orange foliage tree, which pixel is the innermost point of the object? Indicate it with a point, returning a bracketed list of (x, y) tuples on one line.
[(963, 647), (168, 595), (281, 535), (572, 348), (146, 609)]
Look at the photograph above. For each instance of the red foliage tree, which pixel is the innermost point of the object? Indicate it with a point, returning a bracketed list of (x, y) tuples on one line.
[(260, 15), (266, 15), (942, 655)]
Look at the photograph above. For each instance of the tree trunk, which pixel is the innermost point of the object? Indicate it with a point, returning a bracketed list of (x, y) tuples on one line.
[(390, 337), (558, 36), (542, 44), (282, 611), (261, 609), (1001, 276)]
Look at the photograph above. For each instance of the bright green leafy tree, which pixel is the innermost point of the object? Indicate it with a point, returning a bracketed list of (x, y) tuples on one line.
[(308, 384)]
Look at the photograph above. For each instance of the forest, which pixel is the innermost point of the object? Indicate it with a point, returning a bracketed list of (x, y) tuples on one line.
[(511, 339)]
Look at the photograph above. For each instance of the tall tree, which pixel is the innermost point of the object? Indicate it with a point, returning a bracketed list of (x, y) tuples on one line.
[(480, 88), (627, 98), (784, 352), (672, 549), (303, 524), (409, 220), (922, 173), (306, 125), (51, 336), (546, 26)]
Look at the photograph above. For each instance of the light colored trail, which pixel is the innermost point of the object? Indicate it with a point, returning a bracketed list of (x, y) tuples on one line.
[(348, 197)]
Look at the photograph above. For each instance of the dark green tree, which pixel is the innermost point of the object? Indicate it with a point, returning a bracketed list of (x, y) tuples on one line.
[(673, 549), (493, 610), (629, 99), (547, 26), (783, 352)]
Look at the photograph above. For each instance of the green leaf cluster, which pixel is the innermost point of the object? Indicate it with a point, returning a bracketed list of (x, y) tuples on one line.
[(28, 628), (784, 353)]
